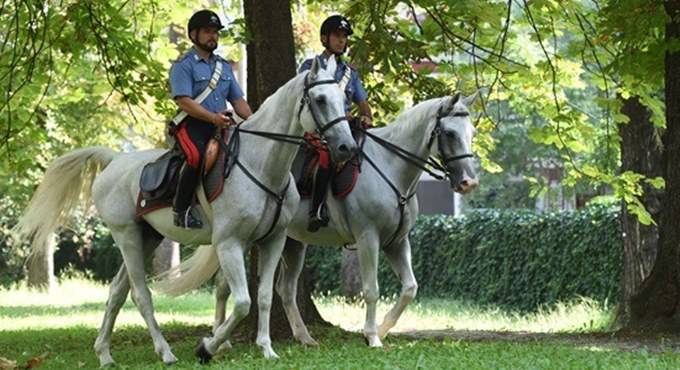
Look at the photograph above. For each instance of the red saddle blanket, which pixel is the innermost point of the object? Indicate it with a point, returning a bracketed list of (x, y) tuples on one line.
[(213, 183), (344, 178)]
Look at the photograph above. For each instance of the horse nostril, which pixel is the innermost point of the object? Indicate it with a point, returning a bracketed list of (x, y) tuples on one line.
[(468, 184)]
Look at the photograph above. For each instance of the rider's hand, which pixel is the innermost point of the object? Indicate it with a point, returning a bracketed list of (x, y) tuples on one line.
[(221, 119), (366, 121)]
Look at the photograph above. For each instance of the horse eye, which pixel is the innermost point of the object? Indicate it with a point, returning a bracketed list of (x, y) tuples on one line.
[(450, 134), (321, 100)]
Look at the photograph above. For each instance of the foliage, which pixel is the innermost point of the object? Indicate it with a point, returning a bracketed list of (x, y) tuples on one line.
[(520, 259), (559, 67)]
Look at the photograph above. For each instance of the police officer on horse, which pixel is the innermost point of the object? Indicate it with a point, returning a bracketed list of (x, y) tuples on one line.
[(201, 83), (335, 32)]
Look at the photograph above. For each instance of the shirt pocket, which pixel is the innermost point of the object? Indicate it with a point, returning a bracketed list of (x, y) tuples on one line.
[(201, 79), (224, 85)]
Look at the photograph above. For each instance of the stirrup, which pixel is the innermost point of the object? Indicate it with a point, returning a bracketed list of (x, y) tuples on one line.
[(186, 220), (318, 219)]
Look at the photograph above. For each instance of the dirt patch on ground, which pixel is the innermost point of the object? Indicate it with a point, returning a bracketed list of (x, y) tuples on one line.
[(612, 340)]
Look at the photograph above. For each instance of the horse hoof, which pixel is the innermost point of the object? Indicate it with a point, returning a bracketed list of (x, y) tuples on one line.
[(202, 353)]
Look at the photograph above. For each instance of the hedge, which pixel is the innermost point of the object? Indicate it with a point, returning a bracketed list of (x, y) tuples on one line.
[(514, 259)]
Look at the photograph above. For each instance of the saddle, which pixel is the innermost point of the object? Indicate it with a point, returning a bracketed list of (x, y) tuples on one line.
[(345, 175), (158, 182)]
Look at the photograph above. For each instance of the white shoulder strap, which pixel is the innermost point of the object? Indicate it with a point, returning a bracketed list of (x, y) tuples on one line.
[(345, 78), (199, 99)]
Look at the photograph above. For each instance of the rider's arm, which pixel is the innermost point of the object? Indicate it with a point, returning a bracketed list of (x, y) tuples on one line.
[(365, 112), (196, 110), (241, 108)]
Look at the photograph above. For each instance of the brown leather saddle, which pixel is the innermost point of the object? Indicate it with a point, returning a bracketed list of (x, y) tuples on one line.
[(158, 182)]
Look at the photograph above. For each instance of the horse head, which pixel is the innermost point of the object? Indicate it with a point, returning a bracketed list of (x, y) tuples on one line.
[(325, 110), (453, 133)]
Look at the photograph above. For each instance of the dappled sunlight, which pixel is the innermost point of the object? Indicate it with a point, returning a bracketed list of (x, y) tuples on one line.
[(82, 302), (64, 293), (437, 314), (78, 302)]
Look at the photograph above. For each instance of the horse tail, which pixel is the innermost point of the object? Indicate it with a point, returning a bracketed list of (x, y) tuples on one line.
[(67, 180), (190, 274)]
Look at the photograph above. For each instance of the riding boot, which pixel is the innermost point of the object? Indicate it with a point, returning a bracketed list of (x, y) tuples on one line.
[(318, 215), (186, 187)]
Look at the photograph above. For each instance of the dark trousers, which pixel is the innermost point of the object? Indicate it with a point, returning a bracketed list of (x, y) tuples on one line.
[(192, 135)]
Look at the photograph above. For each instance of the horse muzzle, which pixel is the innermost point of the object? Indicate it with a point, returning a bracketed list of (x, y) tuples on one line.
[(465, 186)]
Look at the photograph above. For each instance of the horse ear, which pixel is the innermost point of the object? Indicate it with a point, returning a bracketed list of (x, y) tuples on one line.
[(332, 65), (454, 99), (470, 99), (314, 70)]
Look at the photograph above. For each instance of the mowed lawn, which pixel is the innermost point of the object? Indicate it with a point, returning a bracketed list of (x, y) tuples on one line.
[(433, 334)]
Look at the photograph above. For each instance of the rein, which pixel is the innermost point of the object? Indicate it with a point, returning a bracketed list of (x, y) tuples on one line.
[(416, 161), (232, 149)]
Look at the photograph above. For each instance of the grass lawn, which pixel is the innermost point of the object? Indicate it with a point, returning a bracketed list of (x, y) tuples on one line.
[(433, 334)]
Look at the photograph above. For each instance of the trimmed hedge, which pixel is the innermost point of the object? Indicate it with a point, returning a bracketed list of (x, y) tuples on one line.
[(514, 259)]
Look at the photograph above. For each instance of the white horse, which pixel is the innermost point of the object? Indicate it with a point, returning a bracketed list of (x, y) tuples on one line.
[(378, 213), (255, 206)]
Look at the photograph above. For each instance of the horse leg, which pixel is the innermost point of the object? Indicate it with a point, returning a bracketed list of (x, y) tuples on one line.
[(269, 255), (221, 297), (120, 286), (118, 292), (230, 254), (399, 258), (368, 265), (286, 286), (129, 240)]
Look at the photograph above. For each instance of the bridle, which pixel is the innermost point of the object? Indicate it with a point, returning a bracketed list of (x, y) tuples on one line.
[(416, 161), (437, 133), (232, 148), (307, 101)]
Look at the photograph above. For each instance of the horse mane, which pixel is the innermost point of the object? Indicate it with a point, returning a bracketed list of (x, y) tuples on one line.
[(404, 120), (289, 90)]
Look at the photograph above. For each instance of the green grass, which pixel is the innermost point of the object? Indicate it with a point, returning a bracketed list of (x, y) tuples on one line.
[(65, 322)]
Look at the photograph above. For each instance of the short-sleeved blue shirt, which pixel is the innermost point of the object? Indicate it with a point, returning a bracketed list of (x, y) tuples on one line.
[(354, 91), (190, 75)]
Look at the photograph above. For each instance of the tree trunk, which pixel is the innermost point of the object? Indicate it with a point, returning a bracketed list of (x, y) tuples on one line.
[(165, 256), (655, 307), (271, 63), (641, 151), (351, 276), (44, 279)]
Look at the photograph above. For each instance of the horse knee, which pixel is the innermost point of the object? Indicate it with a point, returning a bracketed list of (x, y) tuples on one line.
[(371, 294), (409, 292), (241, 308)]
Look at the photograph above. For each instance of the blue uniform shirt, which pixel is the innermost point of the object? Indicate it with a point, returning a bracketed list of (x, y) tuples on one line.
[(354, 91), (190, 75)]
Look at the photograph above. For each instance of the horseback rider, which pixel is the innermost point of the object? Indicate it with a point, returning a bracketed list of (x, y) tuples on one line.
[(190, 77), (335, 32)]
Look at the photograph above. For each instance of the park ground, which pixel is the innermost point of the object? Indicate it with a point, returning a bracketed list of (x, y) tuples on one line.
[(57, 331)]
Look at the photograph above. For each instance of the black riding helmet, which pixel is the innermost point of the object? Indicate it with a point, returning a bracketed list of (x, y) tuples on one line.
[(204, 18), (334, 23)]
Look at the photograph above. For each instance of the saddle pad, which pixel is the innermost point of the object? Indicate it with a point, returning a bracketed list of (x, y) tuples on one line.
[(344, 178), (213, 184)]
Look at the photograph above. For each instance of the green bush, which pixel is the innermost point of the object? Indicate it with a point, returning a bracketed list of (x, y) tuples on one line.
[(513, 259)]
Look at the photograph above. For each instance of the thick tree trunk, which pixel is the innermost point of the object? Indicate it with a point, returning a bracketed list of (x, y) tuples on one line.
[(44, 279), (165, 256), (271, 63), (656, 307), (641, 151), (351, 275)]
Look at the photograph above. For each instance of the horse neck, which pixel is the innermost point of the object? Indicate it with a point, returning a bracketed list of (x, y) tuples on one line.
[(410, 131), (270, 160)]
